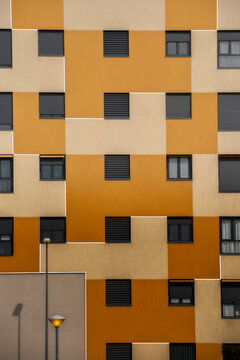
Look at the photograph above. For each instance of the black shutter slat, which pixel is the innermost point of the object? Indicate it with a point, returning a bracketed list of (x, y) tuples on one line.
[(229, 112), (118, 292), (6, 226), (118, 229), (182, 351), (117, 167), (116, 105), (231, 291), (184, 36), (116, 43), (228, 35), (119, 351), (229, 174)]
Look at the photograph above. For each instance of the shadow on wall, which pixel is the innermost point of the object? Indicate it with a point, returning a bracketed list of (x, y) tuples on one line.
[(17, 312)]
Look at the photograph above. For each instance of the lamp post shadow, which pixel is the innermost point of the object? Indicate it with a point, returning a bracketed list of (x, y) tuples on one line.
[(17, 312)]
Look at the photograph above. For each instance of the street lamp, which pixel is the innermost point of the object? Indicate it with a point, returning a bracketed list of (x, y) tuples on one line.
[(56, 321), (46, 241)]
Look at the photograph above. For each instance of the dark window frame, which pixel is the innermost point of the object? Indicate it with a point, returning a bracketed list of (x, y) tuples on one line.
[(183, 283), (108, 345), (117, 304), (228, 157), (108, 235), (8, 66), (234, 303), (179, 117), (11, 175), (179, 157), (52, 230), (47, 31), (171, 346), (3, 126), (219, 33), (179, 229), (11, 236), (231, 218), (48, 116), (116, 117), (52, 158), (116, 178), (115, 55), (177, 42)]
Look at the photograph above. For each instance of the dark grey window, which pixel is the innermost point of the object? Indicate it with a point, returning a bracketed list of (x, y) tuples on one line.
[(116, 106), (178, 106), (230, 235), (231, 351), (6, 117), (229, 49), (229, 174), (117, 167), (53, 228), (230, 299), (118, 351), (52, 168), (51, 106), (6, 175), (182, 351), (116, 43), (50, 43), (118, 292), (5, 48), (179, 167), (180, 229), (229, 112), (6, 236), (117, 229), (180, 293), (178, 43)]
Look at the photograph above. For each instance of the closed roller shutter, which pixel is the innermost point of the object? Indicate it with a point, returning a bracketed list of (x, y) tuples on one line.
[(119, 351), (118, 292), (116, 43), (118, 229), (182, 352), (116, 105), (117, 167)]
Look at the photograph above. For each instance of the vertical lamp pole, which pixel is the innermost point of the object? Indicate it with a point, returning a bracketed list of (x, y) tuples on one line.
[(56, 321), (46, 241)]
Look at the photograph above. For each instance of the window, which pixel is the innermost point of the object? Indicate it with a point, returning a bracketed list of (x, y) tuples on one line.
[(231, 351), (51, 106), (50, 43), (116, 106), (181, 293), (119, 351), (230, 300), (52, 168), (6, 175), (117, 167), (6, 117), (53, 228), (230, 236), (180, 230), (229, 174), (178, 106), (116, 43), (179, 167), (117, 229), (229, 112), (5, 48), (178, 43), (118, 293), (182, 351), (6, 236), (229, 49)]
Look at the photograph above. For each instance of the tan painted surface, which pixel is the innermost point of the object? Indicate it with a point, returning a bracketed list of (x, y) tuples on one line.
[(228, 142), (150, 351), (31, 196), (144, 258), (5, 21), (114, 15), (228, 14), (144, 133), (206, 199), (6, 142), (210, 328), (230, 268), (30, 72)]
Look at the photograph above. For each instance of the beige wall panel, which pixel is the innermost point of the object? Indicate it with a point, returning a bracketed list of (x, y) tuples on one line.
[(31, 196), (206, 77), (228, 14), (145, 258), (30, 72), (143, 133), (116, 15), (230, 267), (5, 20), (6, 142), (207, 201), (150, 351), (210, 328), (228, 142)]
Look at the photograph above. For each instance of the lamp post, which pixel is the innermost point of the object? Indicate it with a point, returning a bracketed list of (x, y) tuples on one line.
[(56, 321), (46, 241)]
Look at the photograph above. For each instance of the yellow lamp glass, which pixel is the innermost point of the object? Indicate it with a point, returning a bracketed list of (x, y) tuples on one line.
[(56, 320)]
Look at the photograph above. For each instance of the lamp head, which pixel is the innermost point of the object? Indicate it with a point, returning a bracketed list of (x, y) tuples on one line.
[(46, 240), (56, 320)]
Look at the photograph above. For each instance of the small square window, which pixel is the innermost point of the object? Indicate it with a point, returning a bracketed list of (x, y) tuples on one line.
[(178, 43), (118, 292), (5, 48), (52, 106), (116, 43), (50, 43), (229, 49), (178, 106), (230, 292), (116, 106), (230, 235), (119, 351), (181, 293), (53, 228), (6, 236), (6, 175), (179, 167), (117, 167), (52, 168), (180, 230), (6, 111), (117, 230)]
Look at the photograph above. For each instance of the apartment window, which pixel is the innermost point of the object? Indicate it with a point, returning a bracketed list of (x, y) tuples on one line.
[(119, 351), (229, 49), (116, 43), (52, 168), (178, 43), (178, 106), (6, 236), (116, 106), (179, 167), (53, 228), (52, 106), (181, 293), (5, 48), (6, 107), (229, 112), (182, 351), (231, 351), (180, 230), (230, 236), (229, 174), (117, 229), (6, 175), (118, 292), (230, 299), (50, 43), (117, 167)]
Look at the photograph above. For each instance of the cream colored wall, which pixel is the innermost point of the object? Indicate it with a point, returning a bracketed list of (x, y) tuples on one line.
[(31, 196), (143, 133), (150, 351), (29, 72), (145, 258), (230, 268), (228, 14), (5, 20), (228, 142), (116, 15), (6, 142)]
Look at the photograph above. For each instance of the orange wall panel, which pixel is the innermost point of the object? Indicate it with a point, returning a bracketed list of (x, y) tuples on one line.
[(209, 351)]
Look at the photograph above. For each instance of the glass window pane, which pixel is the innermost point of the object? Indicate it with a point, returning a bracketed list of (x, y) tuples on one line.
[(5, 237), (5, 169), (235, 47), (57, 172), (174, 300), (186, 300), (229, 61), (46, 171), (184, 168), (5, 248), (5, 186), (185, 233), (228, 310), (172, 168), (172, 48), (173, 233), (226, 229), (228, 247), (237, 310), (237, 247), (224, 47), (237, 229), (183, 48)]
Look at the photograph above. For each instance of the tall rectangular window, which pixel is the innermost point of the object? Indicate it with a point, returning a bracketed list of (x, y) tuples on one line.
[(181, 293), (6, 175), (118, 292), (179, 167), (178, 106), (53, 228), (229, 49), (229, 112), (182, 351), (52, 106), (230, 300), (52, 168), (229, 174), (178, 43), (117, 229), (119, 351), (180, 229), (50, 43), (230, 235), (6, 111), (117, 167), (116, 106), (116, 43), (5, 48), (6, 236)]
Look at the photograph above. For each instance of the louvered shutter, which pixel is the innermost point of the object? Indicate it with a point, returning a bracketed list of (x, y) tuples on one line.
[(118, 292), (116, 106), (230, 291), (182, 352), (229, 112), (117, 167), (118, 229), (119, 351), (116, 43), (178, 106)]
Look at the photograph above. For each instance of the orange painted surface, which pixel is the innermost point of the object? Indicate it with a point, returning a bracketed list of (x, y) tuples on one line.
[(191, 14), (209, 351), (89, 74), (199, 134), (149, 319), (31, 134), (35, 14), (26, 247), (200, 259), (90, 198)]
